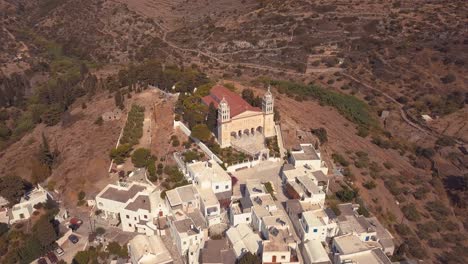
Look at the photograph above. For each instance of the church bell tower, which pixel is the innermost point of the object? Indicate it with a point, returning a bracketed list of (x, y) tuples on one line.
[(268, 113)]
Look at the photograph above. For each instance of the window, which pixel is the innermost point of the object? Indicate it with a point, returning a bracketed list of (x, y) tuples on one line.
[(134, 218), (227, 187), (130, 225), (283, 257), (247, 219), (100, 204), (217, 187), (128, 217), (185, 242), (315, 230), (367, 238), (145, 216)]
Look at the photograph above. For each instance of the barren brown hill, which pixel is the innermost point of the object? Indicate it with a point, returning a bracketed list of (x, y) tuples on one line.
[(403, 58)]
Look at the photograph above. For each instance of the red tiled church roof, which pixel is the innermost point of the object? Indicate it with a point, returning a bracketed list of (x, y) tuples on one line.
[(237, 105)]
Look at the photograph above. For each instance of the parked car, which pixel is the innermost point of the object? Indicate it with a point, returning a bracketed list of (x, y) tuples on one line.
[(74, 239), (59, 251), (42, 261), (52, 258), (75, 223)]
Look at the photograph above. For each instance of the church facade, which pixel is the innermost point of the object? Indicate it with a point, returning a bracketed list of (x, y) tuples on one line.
[(237, 119)]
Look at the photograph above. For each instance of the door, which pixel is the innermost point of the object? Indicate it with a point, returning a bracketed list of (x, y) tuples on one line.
[(160, 213), (273, 259)]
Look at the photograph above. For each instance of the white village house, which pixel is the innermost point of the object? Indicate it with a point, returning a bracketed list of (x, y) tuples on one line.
[(24, 209), (136, 205)]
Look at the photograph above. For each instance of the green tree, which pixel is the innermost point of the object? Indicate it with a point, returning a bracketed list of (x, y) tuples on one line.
[(141, 157), (119, 99), (201, 132), (44, 231), (115, 248), (30, 251), (120, 153), (39, 172), (249, 258), (45, 155), (82, 257), (52, 115), (321, 134), (5, 132), (410, 212), (12, 188), (212, 118)]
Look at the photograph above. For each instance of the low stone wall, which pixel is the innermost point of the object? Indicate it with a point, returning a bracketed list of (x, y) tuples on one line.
[(249, 164)]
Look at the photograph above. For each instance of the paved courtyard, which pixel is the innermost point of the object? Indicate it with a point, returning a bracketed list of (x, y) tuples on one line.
[(267, 171)]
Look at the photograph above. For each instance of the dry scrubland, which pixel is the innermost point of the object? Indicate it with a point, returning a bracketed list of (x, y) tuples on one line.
[(407, 57)]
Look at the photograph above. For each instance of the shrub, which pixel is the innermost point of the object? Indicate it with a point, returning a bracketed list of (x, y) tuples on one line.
[(403, 230), (202, 132), (190, 156), (338, 158), (437, 210), (114, 248), (100, 231), (362, 131), (81, 195), (99, 121), (446, 141), (141, 157), (415, 248), (436, 243), (388, 165), (369, 185), (120, 153), (321, 134), (420, 192), (346, 194), (410, 212), (448, 78)]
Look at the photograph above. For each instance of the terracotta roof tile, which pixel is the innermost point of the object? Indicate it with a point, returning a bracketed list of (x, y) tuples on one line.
[(235, 101)]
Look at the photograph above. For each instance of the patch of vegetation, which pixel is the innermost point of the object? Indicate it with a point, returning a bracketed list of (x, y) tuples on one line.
[(120, 153), (133, 129), (347, 194), (369, 185), (437, 210), (321, 134), (141, 157), (201, 132), (272, 144), (411, 213), (350, 107), (269, 189), (338, 158)]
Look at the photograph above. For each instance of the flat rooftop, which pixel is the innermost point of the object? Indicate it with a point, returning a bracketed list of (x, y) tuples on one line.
[(309, 184), (358, 224), (314, 218), (181, 195), (349, 244), (209, 170), (141, 202), (263, 200), (208, 197), (255, 187), (121, 194), (186, 226), (307, 152), (374, 256)]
